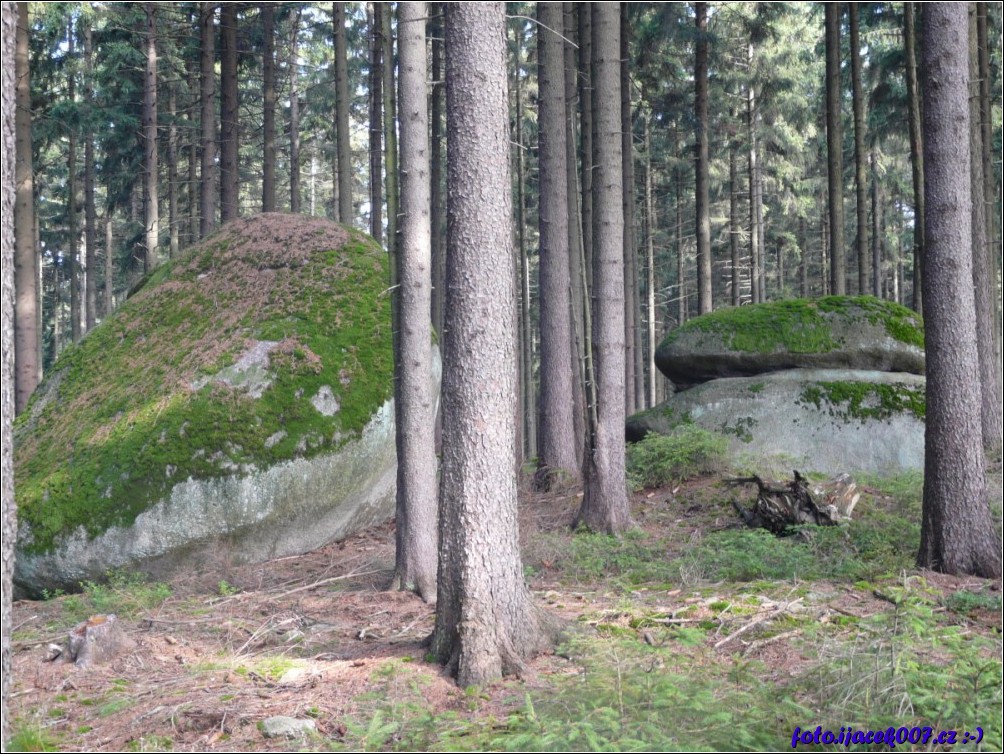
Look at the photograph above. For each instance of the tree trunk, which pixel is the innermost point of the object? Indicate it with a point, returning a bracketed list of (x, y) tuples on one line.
[(681, 281), (376, 123), (834, 152), (486, 623), (173, 215), (605, 505), (10, 22), (987, 133), (294, 113), (916, 153), (734, 228), (342, 104), (207, 95), (436, 172), (957, 533), (109, 266), (877, 229), (860, 157), (192, 235), (555, 427), (73, 229), (27, 341), (527, 393), (579, 299), (587, 131), (415, 399), (90, 210), (984, 279), (703, 212), (652, 283), (389, 127), (229, 126), (151, 209), (756, 293), (268, 123), (628, 202)]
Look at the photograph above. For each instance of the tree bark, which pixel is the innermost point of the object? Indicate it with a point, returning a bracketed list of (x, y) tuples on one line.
[(734, 228), (834, 152), (991, 418), (916, 153), (8, 186), (957, 532), (486, 622), (587, 131), (860, 157), (109, 267), (90, 210), (415, 399), (877, 229), (436, 172), (73, 229), (151, 209), (342, 104), (376, 124), (652, 283), (605, 505), (756, 293), (229, 126), (703, 212), (389, 127), (294, 113), (207, 96), (268, 121), (27, 340), (173, 215), (556, 452)]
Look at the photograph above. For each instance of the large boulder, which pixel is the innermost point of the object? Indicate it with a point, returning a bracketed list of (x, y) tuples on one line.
[(835, 332), (826, 420), (236, 408)]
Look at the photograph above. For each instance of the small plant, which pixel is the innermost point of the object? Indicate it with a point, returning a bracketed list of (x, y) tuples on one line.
[(965, 602), (684, 453), (125, 594), (227, 590)]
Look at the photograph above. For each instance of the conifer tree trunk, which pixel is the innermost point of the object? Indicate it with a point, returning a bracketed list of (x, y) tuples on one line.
[(294, 113), (734, 228), (916, 153), (229, 126), (151, 208), (90, 210), (207, 97), (415, 399), (437, 153), (605, 504), (834, 152), (376, 122), (957, 533), (192, 182), (860, 157), (73, 229), (173, 215), (986, 133), (342, 118), (991, 418), (108, 291), (390, 128), (486, 622), (756, 293), (268, 122), (628, 201), (8, 23), (877, 229), (703, 213), (579, 298), (652, 282), (555, 426), (587, 131)]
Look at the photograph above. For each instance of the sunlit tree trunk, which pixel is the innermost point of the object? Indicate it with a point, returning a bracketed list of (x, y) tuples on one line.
[(344, 144), (703, 210), (376, 122), (389, 127), (73, 228), (294, 113)]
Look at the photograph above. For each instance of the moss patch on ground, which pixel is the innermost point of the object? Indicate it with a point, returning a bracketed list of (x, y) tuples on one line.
[(801, 325), (866, 400), (134, 408)]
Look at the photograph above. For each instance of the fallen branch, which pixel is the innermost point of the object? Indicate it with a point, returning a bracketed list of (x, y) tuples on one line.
[(756, 622)]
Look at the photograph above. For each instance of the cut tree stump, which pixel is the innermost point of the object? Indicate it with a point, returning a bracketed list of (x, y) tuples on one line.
[(781, 506), (97, 640)]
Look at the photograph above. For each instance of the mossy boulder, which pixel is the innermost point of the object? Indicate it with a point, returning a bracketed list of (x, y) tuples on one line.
[(237, 407), (835, 332), (826, 420)]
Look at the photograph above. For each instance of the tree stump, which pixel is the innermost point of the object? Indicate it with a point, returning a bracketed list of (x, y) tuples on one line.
[(98, 640), (779, 507)]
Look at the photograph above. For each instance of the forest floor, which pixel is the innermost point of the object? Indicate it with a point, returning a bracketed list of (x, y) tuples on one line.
[(690, 632)]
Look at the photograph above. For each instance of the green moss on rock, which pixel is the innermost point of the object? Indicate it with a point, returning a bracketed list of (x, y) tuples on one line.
[(865, 400), (141, 403), (800, 325)]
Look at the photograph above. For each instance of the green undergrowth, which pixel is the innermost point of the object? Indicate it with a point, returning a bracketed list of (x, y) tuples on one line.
[(133, 409), (684, 453), (123, 593), (801, 325)]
